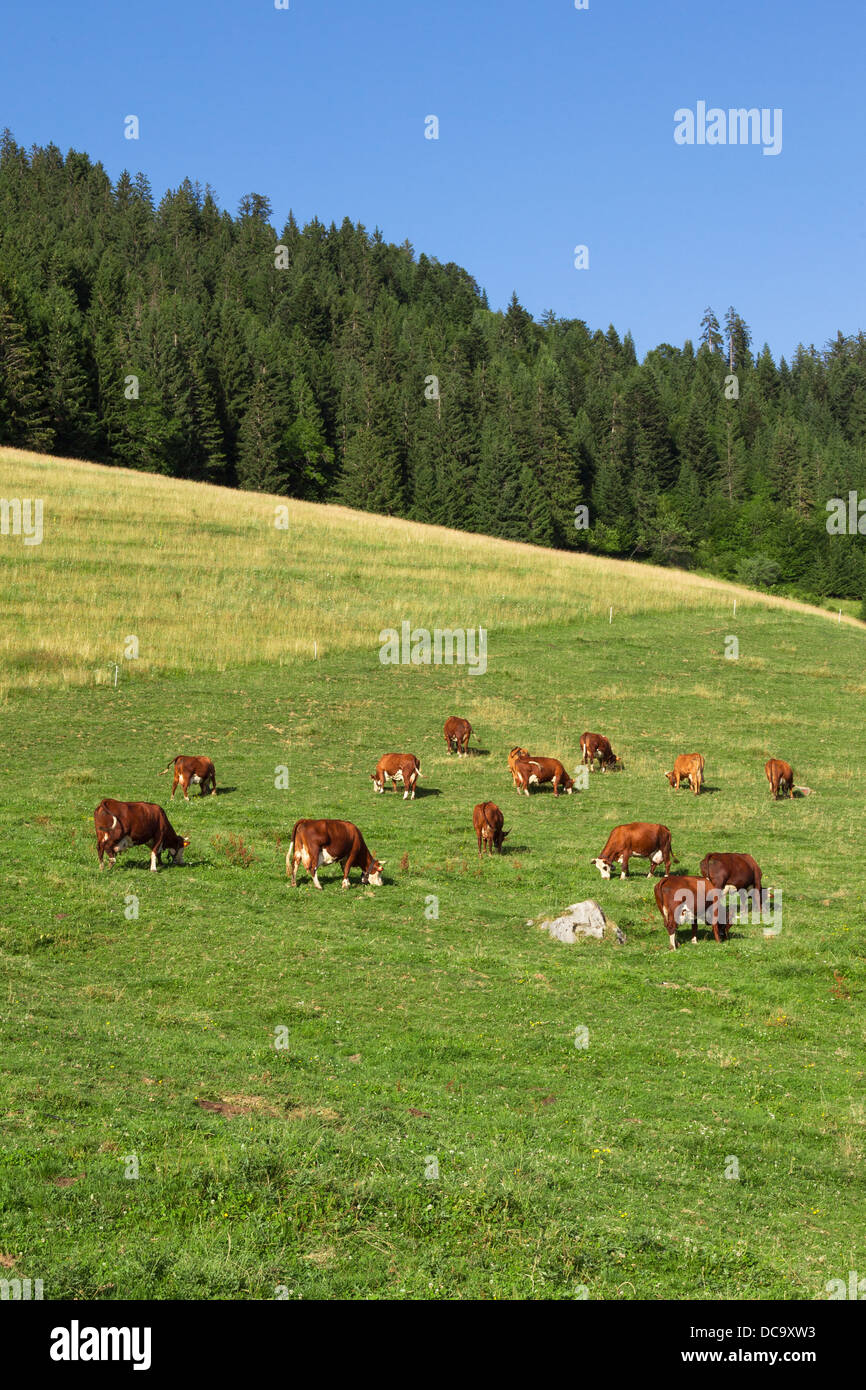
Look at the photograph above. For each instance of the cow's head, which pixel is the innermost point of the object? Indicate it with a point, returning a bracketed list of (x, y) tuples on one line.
[(177, 852), (499, 837), (613, 764), (374, 873), (603, 867), (670, 777), (374, 779)]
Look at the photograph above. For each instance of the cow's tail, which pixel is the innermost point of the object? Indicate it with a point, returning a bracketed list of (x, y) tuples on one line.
[(171, 764), (291, 849)]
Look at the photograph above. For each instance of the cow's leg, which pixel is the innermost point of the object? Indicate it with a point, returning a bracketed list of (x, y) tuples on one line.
[(174, 783), (155, 851), (347, 864), (626, 855), (213, 790)]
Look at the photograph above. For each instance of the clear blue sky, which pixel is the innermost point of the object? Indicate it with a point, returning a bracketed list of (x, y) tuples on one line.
[(556, 128)]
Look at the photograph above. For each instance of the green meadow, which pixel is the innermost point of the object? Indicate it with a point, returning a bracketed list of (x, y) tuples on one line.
[(217, 1086)]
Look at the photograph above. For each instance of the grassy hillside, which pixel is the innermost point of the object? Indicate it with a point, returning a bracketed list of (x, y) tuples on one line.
[(205, 579), (414, 1043)]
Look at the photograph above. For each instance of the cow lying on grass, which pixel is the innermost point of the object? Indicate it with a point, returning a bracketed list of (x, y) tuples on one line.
[(120, 824), (487, 820), (317, 842), (397, 767), (187, 770), (639, 839)]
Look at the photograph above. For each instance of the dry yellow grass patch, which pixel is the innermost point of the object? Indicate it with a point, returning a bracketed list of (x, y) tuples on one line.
[(201, 577)]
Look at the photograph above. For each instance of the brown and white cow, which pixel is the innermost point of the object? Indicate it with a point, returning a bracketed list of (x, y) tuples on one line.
[(594, 746), (689, 767), (187, 770), (514, 757), (780, 776), (731, 871), (529, 772), (681, 896), (457, 732), (397, 767), (120, 824), (487, 820), (317, 842), (639, 839)]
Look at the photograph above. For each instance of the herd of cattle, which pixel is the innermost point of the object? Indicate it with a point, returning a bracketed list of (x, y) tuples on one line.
[(121, 824)]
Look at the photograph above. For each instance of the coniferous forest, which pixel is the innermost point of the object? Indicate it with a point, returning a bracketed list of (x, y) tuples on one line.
[(323, 362)]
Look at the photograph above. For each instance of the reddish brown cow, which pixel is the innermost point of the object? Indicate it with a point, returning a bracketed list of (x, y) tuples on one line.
[(120, 824), (188, 770), (534, 771), (317, 842), (594, 746), (685, 895), (780, 776), (397, 767), (689, 767), (457, 732), (639, 839), (731, 871), (487, 820), (514, 757)]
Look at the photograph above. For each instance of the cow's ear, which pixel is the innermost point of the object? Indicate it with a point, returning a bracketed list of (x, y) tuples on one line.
[(186, 841)]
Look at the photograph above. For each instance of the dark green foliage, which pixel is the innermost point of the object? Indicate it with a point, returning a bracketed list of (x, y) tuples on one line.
[(323, 362)]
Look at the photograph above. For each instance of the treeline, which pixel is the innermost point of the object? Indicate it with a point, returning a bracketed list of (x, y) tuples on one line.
[(324, 362)]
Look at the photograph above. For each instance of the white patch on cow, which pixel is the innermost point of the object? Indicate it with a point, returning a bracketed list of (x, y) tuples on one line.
[(325, 858), (623, 874), (603, 867), (195, 777), (672, 940), (533, 778), (153, 861), (113, 821), (658, 857)]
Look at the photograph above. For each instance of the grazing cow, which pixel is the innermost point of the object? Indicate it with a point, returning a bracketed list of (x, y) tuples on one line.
[(397, 767), (679, 896), (731, 871), (457, 732), (513, 758), (640, 839), (780, 776), (120, 824), (594, 746), (188, 770), (317, 842), (689, 767), (487, 820), (529, 772)]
